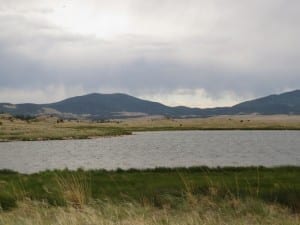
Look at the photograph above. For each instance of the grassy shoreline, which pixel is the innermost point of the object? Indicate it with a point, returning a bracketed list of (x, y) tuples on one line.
[(51, 128), (197, 195), (276, 184)]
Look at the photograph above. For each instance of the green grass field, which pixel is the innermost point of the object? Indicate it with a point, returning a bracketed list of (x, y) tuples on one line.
[(159, 186), (197, 195)]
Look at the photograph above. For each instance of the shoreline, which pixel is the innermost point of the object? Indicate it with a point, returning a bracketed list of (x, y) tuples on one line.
[(278, 185), (200, 168), (132, 131), (50, 128)]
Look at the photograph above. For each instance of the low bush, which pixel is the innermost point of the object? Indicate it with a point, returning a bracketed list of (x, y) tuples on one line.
[(7, 201)]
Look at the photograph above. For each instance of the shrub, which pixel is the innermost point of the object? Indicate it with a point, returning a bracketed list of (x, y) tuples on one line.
[(25, 117), (7, 201), (59, 121)]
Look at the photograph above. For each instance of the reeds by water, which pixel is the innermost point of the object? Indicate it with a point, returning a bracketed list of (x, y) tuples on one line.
[(219, 201)]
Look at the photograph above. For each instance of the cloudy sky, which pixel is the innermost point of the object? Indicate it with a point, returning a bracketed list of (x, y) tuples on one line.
[(200, 53)]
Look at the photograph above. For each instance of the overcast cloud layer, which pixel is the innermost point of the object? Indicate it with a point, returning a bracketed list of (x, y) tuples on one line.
[(200, 53)]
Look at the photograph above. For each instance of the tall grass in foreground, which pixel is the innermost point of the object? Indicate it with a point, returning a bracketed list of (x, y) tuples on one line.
[(75, 189), (191, 208), (159, 186), (203, 211)]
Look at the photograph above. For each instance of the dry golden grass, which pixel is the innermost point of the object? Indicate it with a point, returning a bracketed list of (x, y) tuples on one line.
[(47, 128), (219, 122), (204, 211), (75, 190)]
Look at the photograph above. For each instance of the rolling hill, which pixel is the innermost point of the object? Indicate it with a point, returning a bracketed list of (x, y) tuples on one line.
[(104, 106)]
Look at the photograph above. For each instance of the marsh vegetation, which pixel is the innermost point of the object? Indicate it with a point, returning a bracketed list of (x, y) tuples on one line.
[(197, 195)]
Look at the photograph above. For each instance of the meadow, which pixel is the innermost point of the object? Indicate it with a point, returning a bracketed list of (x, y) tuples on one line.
[(198, 195), (52, 128)]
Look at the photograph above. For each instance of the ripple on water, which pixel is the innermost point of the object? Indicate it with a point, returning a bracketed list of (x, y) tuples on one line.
[(156, 149)]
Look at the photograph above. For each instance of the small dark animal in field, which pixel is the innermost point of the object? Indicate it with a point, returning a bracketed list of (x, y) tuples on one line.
[(60, 121)]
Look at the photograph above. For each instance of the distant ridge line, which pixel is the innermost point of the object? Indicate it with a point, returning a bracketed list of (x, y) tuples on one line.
[(118, 105)]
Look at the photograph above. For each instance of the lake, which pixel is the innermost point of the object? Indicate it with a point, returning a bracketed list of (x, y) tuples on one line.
[(156, 149)]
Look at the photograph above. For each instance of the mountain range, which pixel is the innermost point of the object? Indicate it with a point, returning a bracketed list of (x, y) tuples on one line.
[(108, 106)]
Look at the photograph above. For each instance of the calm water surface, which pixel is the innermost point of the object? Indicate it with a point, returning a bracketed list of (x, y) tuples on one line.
[(156, 149)]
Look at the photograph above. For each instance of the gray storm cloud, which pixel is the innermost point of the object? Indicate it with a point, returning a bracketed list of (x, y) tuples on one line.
[(199, 53)]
